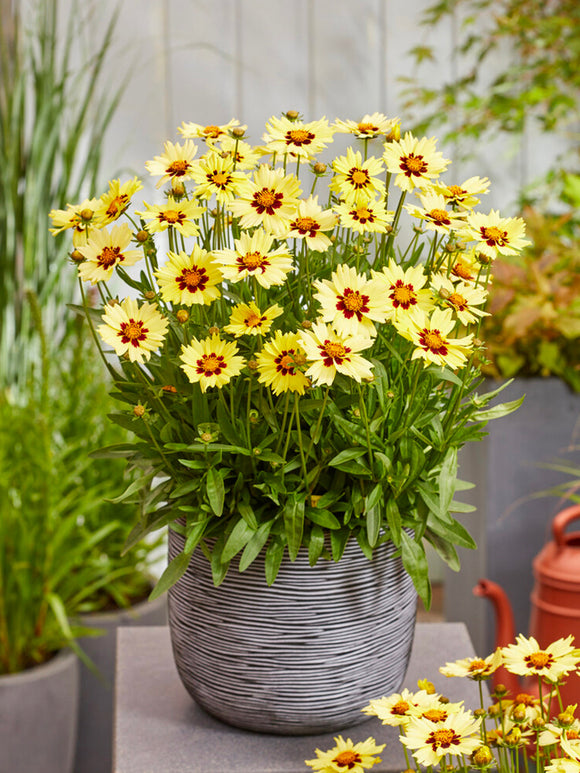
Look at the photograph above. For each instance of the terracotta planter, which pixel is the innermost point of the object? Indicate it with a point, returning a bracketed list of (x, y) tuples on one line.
[(38, 717), (302, 656)]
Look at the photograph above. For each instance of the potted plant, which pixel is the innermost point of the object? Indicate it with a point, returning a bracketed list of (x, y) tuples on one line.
[(299, 379)]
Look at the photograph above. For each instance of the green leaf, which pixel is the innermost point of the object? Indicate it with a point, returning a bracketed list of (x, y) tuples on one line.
[(503, 409), (173, 572), (373, 514), (447, 478), (315, 544), (322, 518), (215, 491), (415, 562), (346, 456), (453, 532), (274, 555), (255, 545), (338, 540), (394, 520), (294, 522), (239, 537), (247, 513)]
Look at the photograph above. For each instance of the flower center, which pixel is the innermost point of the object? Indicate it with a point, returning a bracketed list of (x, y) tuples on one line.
[(171, 216), (413, 165), (353, 301), (358, 177), (494, 236), (456, 192), (572, 735), (458, 301), (400, 708), (192, 279), (367, 128), (439, 216), (109, 256), (435, 715), (334, 350), (443, 738), (363, 215), (306, 225), (463, 270), (432, 340), (299, 137), (116, 205), (132, 332), (212, 131), (253, 260), (177, 168), (538, 659), (526, 699), (478, 664), (403, 295), (253, 319), (220, 179), (210, 365), (347, 759), (285, 363), (267, 201)]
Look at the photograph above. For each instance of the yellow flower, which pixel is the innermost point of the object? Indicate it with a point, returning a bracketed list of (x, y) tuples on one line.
[(462, 298), (253, 257), (174, 164), (563, 765), (434, 214), (208, 133), (104, 251), (430, 706), (494, 234), (310, 222), (133, 330), (463, 268), (432, 339), (355, 180), (394, 710), (474, 668), (81, 218), (430, 741), (215, 175), (464, 196), (404, 290), (243, 155), (278, 365), (172, 214), (115, 201), (347, 757), (211, 362), (552, 663), (247, 319), (370, 126), (329, 353), (189, 279), (367, 217), (300, 139), (270, 200), (414, 161), (350, 302)]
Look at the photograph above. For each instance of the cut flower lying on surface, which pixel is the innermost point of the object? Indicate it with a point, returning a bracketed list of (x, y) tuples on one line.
[(434, 731), (295, 370)]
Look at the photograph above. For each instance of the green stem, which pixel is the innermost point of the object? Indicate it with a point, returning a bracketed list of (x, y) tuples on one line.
[(395, 223), (299, 430)]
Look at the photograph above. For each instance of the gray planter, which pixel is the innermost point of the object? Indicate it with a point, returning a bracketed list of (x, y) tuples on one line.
[(38, 717), (509, 528), (94, 751)]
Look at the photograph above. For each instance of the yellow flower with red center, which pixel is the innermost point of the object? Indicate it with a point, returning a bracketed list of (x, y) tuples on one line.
[(104, 251), (494, 234), (329, 353), (189, 279), (462, 298), (430, 741), (209, 133), (81, 218), (371, 126), (133, 330), (243, 155), (253, 257), (350, 302), (179, 215), (431, 336), (310, 223), (416, 162), (280, 362), (347, 757), (434, 213), (403, 290), (394, 710), (115, 201), (211, 362), (355, 180), (215, 176), (367, 217), (465, 267), (175, 163), (464, 196), (298, 138), (247, 319), (269, 200), (552, 663), (473, 668)]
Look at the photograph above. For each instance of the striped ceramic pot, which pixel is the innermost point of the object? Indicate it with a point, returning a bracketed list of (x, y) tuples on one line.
[(302, 656)]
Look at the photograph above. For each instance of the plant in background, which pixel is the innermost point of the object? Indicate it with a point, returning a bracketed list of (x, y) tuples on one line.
[(435, 732), (296, 372)]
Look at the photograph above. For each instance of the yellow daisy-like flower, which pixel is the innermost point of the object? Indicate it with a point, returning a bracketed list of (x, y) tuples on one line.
[(434, 214), (103, 251), (403, 290), (495, 235), (430, 741), (474, 668), (464, 268), (347, 756), (133, 330), (247, 319), (350, 302), (310, 223), (567, 737), (215, 176), (562, 765), (432, 339), (300, 139), (355, 180), (415, 161), (243, 155), (189, 279), (208, 133), (464, 196), (211, 362), (371, 126), (279, 364), (329, 353), (394, 710), (253, 257), (367, 217), (431, 707), (115, 201), (176, 163), (462, 298), (81, 218), (173, 214), (527, 658), (270, 200)]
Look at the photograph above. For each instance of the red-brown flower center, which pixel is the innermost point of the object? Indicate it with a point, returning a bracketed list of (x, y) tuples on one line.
[(109, 256), (210, 365), (299, 137), (347, 758), (403, 295), (132, 332), (177, 168), (413, 165)]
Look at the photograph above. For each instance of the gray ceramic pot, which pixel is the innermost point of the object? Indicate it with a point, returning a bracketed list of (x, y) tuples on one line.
[(95, 725), (38, 717)]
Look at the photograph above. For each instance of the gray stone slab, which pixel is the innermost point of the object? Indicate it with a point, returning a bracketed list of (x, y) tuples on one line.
[(160, 729)]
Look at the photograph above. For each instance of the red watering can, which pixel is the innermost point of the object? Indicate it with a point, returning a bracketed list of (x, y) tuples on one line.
[(555, 601)]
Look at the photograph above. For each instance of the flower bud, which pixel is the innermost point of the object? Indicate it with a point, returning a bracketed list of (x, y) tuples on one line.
[(500, 690), (566, 718), (538, 723), (292, 115), (479, 713), (178, 190), (149, 295), (425, 684), (306, 324), (169, 388), (252, 364), (443, 699), (206, 437), (182, 316), (299, 359), (139, 410), (482, 757), (214, 331), (238, 132), (87, 214), (142, 235), (77, 256), (514, 737), (319, 168), (519, 713), (254, 416), (494, 710), (460, 246), (256, 451)]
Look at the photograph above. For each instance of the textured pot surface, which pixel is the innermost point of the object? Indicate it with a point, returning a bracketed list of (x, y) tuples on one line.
[(94, 751), (38, 717), (302, 656)]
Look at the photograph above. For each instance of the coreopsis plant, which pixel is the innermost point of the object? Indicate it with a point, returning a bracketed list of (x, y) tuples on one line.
[(298, 365), (508, 735)]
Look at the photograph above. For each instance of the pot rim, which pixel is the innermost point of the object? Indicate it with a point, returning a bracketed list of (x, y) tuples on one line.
[(115, 614), (62, 661)]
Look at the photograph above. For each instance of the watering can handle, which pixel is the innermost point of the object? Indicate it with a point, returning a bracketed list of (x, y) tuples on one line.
[(561, 521)]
